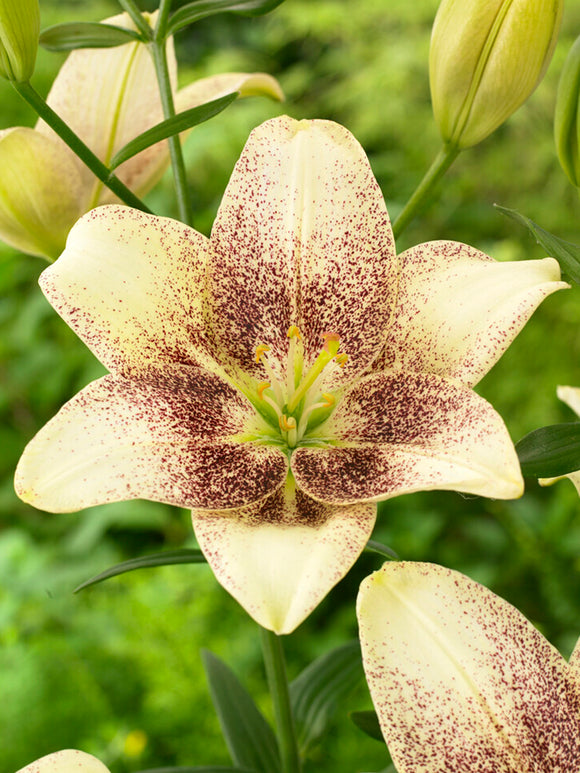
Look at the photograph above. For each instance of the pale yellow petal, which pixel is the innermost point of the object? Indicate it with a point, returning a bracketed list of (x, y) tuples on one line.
[(460, 680), (66, 761), (280, 557), (40, 191), (458, 310), (249, 84)]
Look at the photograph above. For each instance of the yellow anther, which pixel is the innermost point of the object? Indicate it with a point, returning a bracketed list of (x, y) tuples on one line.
[(294, 332), (331, 342), (328, 400), (287, 423), (261, 350), (341, 359), (262, 386)]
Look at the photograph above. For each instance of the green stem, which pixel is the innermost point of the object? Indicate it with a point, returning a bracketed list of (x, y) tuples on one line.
[(278, 683), (78, 147), (131, 8), (443, 161), (166, 92)]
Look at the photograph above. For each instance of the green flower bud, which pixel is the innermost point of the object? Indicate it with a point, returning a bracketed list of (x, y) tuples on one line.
[(486, 58), (19, 31), (566, 125)]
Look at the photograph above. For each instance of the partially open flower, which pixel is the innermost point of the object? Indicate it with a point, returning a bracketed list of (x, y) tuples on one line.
[(486, 58), (66, 761), (282, 376), (570, 396), (108, 97), (19, 30), (461, 681)]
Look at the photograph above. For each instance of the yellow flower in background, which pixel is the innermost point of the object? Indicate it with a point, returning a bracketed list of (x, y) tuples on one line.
[(108, 97), (19, 31), (486, 58), (461, 681), (284, 375), (66, 761), (570, 396)]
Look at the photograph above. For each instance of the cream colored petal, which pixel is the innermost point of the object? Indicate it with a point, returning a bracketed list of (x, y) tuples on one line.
[(40, 190), (458, 310), (396, 432), (570, 396), (66, 761), (249, 84), (574, 661), (108, 96), (131, 286), (460, 680), (281, 556), (302, 237), (170, 438)]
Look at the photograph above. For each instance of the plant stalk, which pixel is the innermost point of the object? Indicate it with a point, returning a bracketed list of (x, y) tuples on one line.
[(130, 6), (277, 680)]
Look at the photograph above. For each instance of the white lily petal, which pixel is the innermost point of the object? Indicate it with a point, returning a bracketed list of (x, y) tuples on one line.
[(249, 84), (460, 680), (279, 557), (458, 310), (66, 761)]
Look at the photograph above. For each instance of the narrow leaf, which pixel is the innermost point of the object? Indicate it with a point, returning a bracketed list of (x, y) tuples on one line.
[(368, 722), (200, 9), (566, 253), (377, 547), (249, 738), (167, 558), (316, 693), (67, 37), (551, 451), (172, 126), (198, 769)]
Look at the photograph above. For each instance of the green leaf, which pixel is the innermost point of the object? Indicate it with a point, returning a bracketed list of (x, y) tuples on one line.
[(200, 9), (377, 547), (67, 37), (566, 253), (172, 126), (198, 769), (249, 738), (167, 558), (315, 694), (368, 722), (551, 451)]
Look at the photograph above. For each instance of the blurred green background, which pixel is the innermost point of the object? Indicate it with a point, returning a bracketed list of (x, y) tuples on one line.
[(115, 670)]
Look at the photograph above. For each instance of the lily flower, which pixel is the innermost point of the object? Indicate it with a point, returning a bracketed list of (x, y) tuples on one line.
[(284, 375), (108, 97), (461, 681), (570, 396), (66, 761)]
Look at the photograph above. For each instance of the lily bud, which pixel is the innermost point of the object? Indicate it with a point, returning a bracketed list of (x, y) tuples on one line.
[(486, 58), (19, 31), (566, 126)]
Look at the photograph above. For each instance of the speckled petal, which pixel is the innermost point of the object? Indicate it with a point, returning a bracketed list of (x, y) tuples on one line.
[(398, 432), (108, 96), (302, 237), (66, 761), (172, 438), (280, 557), (570, 396), (130, 285), (458, 310), (460, 680)]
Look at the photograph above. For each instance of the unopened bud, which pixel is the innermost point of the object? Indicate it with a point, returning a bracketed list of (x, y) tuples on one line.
[(486, 58), (19, 31), (566, 125)]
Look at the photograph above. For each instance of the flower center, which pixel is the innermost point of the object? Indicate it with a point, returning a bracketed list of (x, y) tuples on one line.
[(296, 404)]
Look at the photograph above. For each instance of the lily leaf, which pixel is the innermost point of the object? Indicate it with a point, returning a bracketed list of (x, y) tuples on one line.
[(199, 9), (166, 558), (373, 546), (198, 769), (69, 36), (550, 451), (172, 126), (368, 722), (316, 692), (249, 738), (566, 253)]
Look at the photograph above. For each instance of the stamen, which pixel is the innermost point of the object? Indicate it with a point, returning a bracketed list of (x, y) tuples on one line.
[(328, 400), (287, 422), (294, 332), (341, 359), (261, 387), (260, 351)]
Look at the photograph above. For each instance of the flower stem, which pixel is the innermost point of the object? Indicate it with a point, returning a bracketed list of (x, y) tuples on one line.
[(166, 92), (443, 161), (78, 147), (278, 683), (131, 8)]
